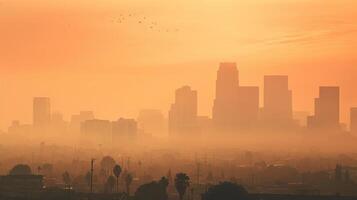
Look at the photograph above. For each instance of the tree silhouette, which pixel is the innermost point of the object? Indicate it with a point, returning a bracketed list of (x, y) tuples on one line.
[(128, 181), (110, 183), (107, 163), (155, 190), (225, 191), (117, 171), (66, 179), (164, 182), (182, 182), (20, 169)]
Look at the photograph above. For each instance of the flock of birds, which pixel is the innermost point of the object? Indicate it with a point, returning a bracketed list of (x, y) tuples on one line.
[(143, 21)]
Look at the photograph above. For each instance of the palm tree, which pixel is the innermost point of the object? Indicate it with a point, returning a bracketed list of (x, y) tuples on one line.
[(128, 181), (182, 182), (117, 171)]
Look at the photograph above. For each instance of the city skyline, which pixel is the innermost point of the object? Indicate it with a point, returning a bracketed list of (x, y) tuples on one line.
[(235, 108)]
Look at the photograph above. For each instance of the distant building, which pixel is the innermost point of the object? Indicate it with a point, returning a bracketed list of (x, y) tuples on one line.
[(277, 101), (41, 112), (151, 121), (126, 128), (353, 121), (225, 111), (327, 110), (183, 112)]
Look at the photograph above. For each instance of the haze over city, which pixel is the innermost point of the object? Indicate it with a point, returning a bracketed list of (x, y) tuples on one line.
[(178, 100)]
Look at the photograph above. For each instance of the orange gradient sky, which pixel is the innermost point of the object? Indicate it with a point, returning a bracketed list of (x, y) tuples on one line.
[(80, 54)]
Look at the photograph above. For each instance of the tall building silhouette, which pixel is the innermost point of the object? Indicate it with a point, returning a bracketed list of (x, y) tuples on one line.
[(183, 112), (225, 109), (41, 112), (353, 120), (277, 101), (327, 109)]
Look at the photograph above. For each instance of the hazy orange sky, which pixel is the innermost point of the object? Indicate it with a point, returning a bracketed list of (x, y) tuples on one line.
[(79, 54)]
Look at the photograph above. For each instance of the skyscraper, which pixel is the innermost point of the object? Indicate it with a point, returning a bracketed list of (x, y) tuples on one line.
[(41, 112), (277, 101), (183, 113), (353, 120), (225, 110), (327, 109)]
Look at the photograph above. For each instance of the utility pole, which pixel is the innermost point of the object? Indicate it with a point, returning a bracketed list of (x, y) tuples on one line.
[(91, 175)]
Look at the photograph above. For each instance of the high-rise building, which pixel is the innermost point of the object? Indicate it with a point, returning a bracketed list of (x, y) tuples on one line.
[(277, 101), (225, 111), (353, 120), (41, 112), (327, 109), (248, 106), (183, 113)]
